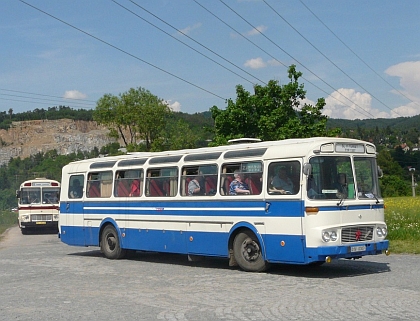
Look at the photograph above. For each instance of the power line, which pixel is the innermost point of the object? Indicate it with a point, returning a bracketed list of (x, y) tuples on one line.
[(280, 62), (334, 64), (123, 51), (354, 53), (182, 42), (38, 102), (255, 28), (29, 93), (200, 44), (43, 99)]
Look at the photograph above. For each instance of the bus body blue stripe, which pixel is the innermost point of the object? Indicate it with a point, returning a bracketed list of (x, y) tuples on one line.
[(285, 208), (215, 244)]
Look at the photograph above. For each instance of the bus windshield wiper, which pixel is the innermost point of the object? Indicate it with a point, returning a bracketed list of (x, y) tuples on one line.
[(341, 200)]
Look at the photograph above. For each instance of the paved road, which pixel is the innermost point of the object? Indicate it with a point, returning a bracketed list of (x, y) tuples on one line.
[(44, 279)]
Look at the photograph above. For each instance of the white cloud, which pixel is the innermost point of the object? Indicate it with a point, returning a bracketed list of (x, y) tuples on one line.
[(255, 63), (175, 106), (188, 29), (359, 105), (409, 74), (356, 106), (74, 94), (256, 31), (409, 110)]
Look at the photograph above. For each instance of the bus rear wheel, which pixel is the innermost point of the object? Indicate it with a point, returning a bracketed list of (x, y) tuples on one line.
[(247, 252), (110, 244)]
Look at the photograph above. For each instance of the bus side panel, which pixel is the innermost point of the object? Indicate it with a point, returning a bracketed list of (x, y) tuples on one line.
[(155, 240), (284, 239), (72, 235), (285, 248), (207, 243)]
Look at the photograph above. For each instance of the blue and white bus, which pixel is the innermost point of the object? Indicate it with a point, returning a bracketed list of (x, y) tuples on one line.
[(331, 209)]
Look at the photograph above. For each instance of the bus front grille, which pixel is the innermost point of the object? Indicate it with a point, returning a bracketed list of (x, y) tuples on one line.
[(357, 234), (41, 217)]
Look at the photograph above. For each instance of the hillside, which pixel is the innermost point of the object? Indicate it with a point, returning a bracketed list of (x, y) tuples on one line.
[(26, 138)]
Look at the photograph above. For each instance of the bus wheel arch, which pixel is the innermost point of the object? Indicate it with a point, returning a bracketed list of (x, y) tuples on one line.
[(246, 249), (110, 242)]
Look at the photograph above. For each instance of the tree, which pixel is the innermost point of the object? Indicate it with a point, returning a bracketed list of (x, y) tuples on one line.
[(135, 115), (273, 112)]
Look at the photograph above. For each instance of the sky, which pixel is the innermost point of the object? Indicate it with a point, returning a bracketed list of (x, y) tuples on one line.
[(363, 57)]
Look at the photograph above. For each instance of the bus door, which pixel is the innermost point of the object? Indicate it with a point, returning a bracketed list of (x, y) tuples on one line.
[(284, 239), (71, 210)]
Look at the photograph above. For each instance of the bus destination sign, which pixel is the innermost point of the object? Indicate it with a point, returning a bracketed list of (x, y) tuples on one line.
[(349, 148)]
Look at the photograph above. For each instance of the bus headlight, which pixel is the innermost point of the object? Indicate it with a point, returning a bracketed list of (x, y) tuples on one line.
[(382, 231), (330, 235), (24, 218)]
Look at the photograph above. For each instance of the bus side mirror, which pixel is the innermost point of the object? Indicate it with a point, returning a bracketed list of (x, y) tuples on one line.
[(17, 194), (307, 169), (380, 172)]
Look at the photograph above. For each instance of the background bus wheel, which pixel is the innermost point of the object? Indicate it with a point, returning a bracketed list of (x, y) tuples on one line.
[(110, 243), (247, 252)]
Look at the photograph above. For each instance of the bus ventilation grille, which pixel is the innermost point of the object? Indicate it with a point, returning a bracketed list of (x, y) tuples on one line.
[(357, 234), (41, 217)]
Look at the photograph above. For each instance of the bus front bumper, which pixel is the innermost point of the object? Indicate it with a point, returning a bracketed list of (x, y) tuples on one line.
[(347, 251), (39, 225)]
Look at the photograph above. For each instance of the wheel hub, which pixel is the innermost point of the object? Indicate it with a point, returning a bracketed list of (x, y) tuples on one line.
[(250, 250)]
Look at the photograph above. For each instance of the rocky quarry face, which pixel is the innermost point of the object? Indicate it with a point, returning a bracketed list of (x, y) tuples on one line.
[(27, 138)]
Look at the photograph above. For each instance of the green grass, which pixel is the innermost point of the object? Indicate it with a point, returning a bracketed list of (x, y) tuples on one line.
[(7, 219), (402, 216)]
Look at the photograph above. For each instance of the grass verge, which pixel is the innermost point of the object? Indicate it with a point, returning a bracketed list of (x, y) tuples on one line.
[(7, 219), (402, 216)]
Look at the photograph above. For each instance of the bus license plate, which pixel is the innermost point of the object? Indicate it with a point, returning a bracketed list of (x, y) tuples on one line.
[(41, 222), (360, 248)]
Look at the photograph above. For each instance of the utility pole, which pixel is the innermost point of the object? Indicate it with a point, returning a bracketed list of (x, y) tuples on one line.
[(413, 185)]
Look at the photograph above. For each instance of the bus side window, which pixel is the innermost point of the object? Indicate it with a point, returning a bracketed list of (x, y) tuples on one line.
[(246, 176), (283, 178), (99, 184), (76, 186), (162, 182), (199, 180)]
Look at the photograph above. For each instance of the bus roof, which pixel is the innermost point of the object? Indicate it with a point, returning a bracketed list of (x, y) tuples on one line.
[(296, 147)]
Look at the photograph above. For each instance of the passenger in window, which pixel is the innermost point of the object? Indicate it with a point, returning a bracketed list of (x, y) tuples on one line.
[(281, 182), (196, 186), (238, 186), (135, 188), (76, 189)]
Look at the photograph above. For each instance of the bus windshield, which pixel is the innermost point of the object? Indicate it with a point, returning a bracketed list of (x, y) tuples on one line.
[(39, 195), (332, 177)]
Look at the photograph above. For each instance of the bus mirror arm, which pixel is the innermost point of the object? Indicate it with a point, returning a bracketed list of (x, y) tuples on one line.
[(307, 169), (380, 172)]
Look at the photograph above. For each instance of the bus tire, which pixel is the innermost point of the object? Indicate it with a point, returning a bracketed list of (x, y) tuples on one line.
[(110, 244), (247, 252)]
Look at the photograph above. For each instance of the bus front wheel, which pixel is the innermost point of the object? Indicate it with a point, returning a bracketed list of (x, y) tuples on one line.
[(247, 252), (110, 244)]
